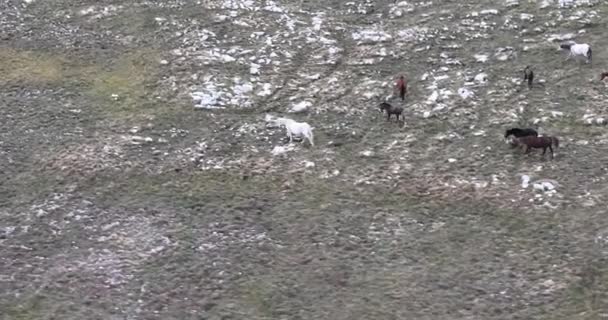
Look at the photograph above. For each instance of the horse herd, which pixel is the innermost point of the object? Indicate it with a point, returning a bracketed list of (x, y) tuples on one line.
[(527, 138)]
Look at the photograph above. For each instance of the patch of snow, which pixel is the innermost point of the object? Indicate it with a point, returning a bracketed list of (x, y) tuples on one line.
[(316, 23), (366, 153), (479, 133), (241, 89), (544, 186), (254, 69), (309, 164), (481, 77), (371, 36), (279, 150), (561, 37), (525, 179), (432, 98), (266, 90), (526, 17), (207, 100), (272, 7), (481, 57), (512, 3), (315, 76), (489, 11)]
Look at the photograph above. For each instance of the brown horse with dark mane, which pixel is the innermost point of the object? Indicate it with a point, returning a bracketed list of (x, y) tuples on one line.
[(543, 142)]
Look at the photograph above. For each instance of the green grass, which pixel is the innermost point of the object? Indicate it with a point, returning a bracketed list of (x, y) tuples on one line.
[(29, 67), (129, 78), (33, 308), (586, 298)]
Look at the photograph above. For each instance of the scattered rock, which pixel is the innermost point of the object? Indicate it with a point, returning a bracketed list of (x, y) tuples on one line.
[(465, 93), (366, 153), (300, 107), (525, 179), (481, 57), (279, 150), (481, 78)]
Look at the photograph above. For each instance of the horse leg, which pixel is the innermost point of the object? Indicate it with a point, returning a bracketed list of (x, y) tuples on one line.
[(568, 57), (527, 149), (388, 118), (551, 149), (544, 151)]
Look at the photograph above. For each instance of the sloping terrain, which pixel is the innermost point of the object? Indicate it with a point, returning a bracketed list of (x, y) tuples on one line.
[(140, 180)]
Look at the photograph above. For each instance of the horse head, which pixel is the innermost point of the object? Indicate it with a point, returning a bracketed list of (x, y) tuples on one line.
[(511, 131), (383, 106), (566, 46)]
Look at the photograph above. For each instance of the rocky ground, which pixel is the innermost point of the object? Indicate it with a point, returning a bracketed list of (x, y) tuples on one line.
[(140, 180)]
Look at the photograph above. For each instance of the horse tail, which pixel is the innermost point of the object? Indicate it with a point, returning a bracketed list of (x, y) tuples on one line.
[(310, 138)]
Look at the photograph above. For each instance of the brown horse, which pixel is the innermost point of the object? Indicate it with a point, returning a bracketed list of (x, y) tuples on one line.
[(603, 75), (537, 143)]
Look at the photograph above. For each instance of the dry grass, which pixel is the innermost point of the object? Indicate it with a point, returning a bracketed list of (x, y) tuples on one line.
[(29, 67)]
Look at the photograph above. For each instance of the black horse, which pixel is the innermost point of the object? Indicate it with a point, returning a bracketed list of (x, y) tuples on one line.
[(390, 110), (518, 133)]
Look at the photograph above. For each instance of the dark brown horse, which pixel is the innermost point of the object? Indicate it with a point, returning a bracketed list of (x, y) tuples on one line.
[(543, 142), (603, 75)]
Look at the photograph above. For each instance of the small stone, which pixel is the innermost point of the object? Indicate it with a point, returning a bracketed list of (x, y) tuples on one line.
[(367, 153)]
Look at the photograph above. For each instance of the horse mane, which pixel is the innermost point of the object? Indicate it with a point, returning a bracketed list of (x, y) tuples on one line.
[(512, 131)]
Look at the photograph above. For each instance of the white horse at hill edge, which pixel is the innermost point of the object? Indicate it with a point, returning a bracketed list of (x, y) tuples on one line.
[(577, 50), (295, 128)]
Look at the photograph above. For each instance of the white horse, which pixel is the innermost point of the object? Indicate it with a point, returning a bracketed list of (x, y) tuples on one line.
[(295, 128), (577, 50)]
